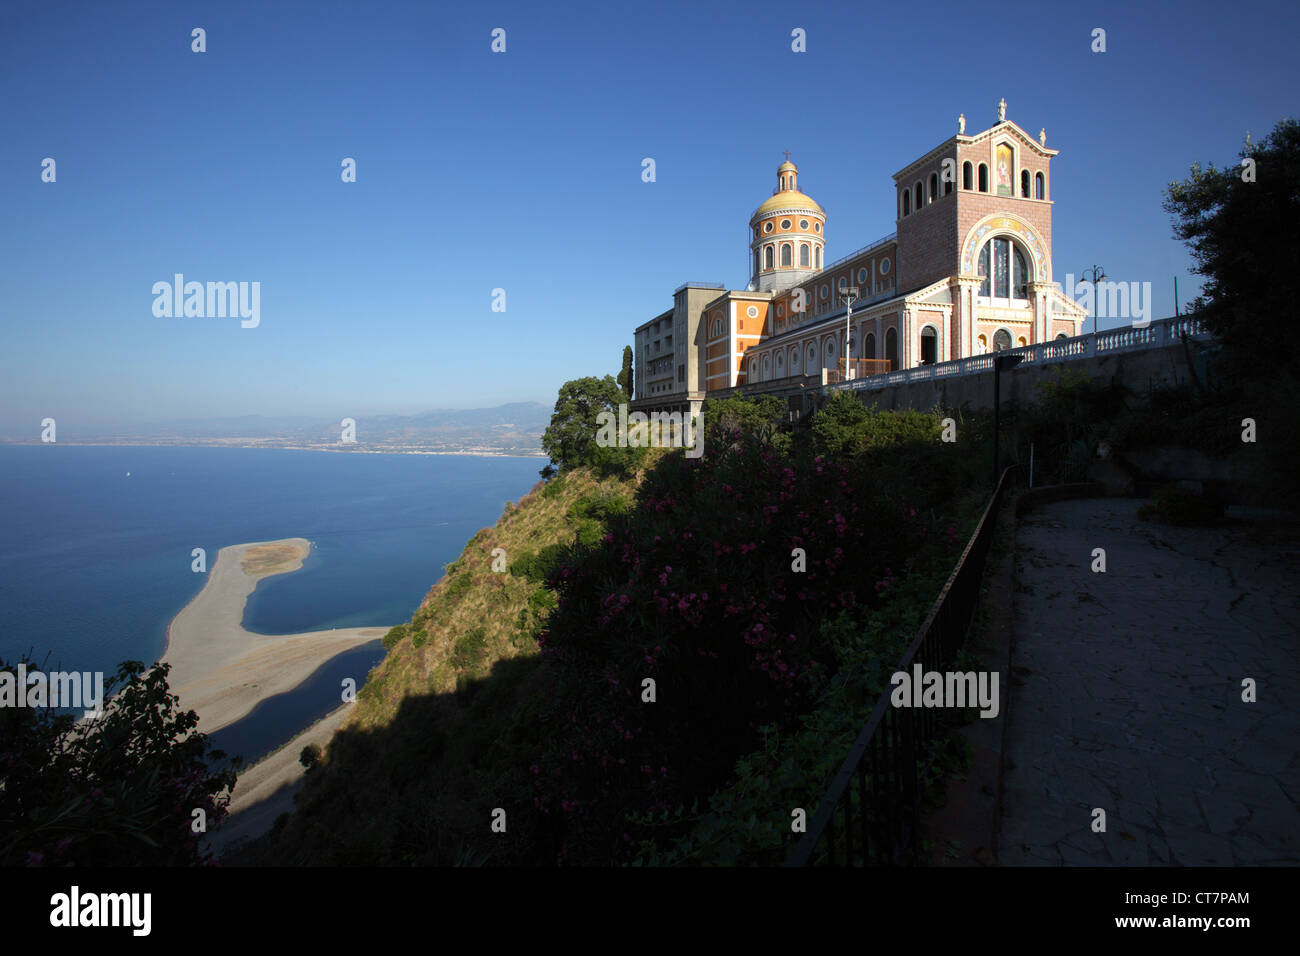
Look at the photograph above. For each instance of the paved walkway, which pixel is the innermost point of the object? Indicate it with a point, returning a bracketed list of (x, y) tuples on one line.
[(1126, 692)]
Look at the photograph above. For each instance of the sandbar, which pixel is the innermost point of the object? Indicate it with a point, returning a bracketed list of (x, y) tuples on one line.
[(222, 671)]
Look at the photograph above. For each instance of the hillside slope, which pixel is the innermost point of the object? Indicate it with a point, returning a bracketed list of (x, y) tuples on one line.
[(436, 730)]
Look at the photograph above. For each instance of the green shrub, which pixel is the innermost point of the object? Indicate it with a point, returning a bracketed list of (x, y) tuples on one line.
[(1179, 506), (553, 488), (457, 586), (394, 635), (538, 566), (470, 648)]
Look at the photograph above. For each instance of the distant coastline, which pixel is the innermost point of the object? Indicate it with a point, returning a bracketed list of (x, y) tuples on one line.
[(222, 671), (234, 443)]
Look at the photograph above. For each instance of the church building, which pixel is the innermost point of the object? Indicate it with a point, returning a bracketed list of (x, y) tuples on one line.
[(968, 270)]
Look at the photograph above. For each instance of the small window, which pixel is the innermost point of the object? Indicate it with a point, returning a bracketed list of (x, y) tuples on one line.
[(785, 254), (1060, 336), (767, 256), (862, 276), (785, 223), (752, 312), (1024, 184), (1040, 187), (817, 227), (825, 291), (934, 186), (817, 253), (884, 266), (803, 224), (805, 255), (967, 176), (984, 178), (843, 284), (907, 202), (767, 227)]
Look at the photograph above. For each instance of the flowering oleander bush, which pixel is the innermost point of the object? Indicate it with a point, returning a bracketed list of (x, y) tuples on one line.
[(694, 589), (118, 790)]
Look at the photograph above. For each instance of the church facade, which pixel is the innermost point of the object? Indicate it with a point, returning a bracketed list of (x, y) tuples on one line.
[(968, 270)]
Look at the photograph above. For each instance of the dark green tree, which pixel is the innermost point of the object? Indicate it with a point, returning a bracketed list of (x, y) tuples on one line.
[(570, 439), (120, 789), (625, 376), (1243, 226)]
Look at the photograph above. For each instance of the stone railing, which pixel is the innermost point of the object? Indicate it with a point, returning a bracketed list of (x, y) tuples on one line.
[(1098, 344)]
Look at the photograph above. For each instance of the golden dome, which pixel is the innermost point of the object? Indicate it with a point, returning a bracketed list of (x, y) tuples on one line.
[(787, 165), (789, 199)]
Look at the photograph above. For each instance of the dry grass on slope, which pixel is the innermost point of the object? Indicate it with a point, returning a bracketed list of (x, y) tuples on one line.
[(474, 616)]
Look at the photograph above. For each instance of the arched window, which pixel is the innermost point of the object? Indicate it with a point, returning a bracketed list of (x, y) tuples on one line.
[(757, 261), (870, 351), (891, 348), (934, 186), (916, 196), (780, 363), (1003, 270), (768, 254), (907, 202), (1040, 186), (767, 367), (811, 357), (984, 178), (929, 345), (785, 253), (794, 360), (1024, 183), (1001, 340), (818, 253), (804, 257), (967, 175), (1061, 335)]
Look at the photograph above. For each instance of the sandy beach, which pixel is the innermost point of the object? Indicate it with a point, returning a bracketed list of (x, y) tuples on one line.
[(266, 789), (223, 671)]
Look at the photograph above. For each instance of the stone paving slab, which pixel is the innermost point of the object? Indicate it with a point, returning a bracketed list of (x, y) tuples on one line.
[(1126, 692)]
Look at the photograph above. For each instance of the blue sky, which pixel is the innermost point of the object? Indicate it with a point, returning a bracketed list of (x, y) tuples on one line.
[(522, 171)]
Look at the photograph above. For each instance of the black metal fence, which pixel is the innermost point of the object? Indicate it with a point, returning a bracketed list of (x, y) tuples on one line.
[(870, 813)]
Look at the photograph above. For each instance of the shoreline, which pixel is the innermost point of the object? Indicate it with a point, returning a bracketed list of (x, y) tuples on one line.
[(220, 669), (266, 789), (353, 451)]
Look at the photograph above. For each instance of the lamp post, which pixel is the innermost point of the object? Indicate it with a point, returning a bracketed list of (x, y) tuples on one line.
[(1000, 362), (848, 297), (1098, 273)]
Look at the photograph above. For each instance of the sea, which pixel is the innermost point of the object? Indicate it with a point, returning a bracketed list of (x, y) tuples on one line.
[(96, 548)]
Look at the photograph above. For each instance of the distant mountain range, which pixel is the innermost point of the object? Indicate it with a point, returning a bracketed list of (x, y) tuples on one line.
[(512, 429)]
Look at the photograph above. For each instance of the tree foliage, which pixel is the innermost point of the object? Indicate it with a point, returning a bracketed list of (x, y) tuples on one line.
[(1245, 238), (570, 439), (625, 376), (116, 790)]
